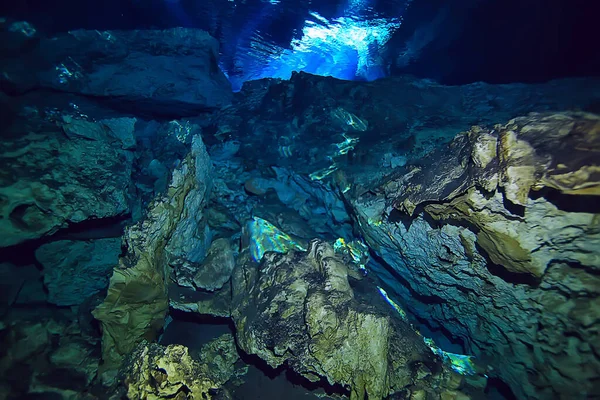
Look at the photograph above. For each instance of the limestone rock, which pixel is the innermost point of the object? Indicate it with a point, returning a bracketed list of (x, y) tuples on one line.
[(520, 196), (407, 117), (212, 273), (189, 242), (16, 283), (76, 270), (153, 371), (137, 300), (541, 153), (58, 172), (220, 355), (78, 357), (299, 309), (217, 267), (47, 357), (169, 72)]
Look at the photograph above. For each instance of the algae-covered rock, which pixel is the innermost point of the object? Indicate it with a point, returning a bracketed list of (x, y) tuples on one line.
[(153, 371), (298, 309), (221, 355), (217, 267), (137, 300)]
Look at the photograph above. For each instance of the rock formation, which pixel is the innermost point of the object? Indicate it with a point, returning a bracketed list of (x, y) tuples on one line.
[(170, 72), (158, 372), (495, 242), (137, 300), (62, 169), (299, 309)]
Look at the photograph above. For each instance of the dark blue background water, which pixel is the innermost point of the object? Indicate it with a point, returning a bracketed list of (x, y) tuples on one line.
[(449, 41)]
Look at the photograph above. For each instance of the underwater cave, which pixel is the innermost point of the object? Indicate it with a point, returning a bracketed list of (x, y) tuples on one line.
[(268, 199)]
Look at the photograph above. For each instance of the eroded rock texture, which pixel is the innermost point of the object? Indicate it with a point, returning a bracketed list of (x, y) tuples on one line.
[(61, 169), (299, 309), (46, 356), (153, 371), (137, 301), (301, 123), (496, 242)]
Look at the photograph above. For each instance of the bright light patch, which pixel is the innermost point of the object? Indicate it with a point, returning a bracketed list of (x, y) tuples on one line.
[(265, 237), (393, 303), (459, 363), (345, 48), (356, 250)]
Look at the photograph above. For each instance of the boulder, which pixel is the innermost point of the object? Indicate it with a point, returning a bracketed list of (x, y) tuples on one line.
[(217, 266), (159, 372), (76, 270), (299, 309), (171, 72)]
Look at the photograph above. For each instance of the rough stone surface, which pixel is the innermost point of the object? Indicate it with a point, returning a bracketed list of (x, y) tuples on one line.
[(153, 371), (299, 309), (220, 355), (543, 153), (217, 267), (44, 355), (299, 124), (496, 243), (170, 72), (137, 301), (187, 299), (14, 282), (76, 270), (59, 170)]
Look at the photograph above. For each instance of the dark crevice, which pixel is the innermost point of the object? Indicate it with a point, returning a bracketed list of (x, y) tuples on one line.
[(569, 202), (515, 209), (93, 228), (498, 386), (425, 299), (201, 318), (441, 330), (101, 228), (506, 275), (291, 376)]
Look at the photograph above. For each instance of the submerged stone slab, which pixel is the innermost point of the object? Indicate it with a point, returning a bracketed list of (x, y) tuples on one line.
[(170, 72), (76, 270)]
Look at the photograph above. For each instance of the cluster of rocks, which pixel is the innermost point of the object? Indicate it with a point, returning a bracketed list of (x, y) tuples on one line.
[(493, 243)]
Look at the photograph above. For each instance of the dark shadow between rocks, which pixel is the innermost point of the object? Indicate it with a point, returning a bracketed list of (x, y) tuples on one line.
[(569, 202), (90, 229), (425, 299), (496, 388), (194, 330), (265, 382), (508, 276)]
